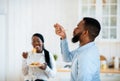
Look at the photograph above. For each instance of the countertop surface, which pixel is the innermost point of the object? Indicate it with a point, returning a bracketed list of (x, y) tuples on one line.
[(107, 70), (112, 70)]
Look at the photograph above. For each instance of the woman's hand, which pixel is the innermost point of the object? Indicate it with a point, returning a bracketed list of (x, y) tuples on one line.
[(43, 66)]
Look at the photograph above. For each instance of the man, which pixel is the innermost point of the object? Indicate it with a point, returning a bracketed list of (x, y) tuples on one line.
[(39, 64), (85, 59)]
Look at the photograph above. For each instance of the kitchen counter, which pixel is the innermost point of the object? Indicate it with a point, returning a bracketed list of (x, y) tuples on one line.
[(102, 70), (112, 70), (105, 74)]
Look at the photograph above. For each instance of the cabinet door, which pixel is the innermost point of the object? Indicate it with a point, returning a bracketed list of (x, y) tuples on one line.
[(64, 76), (61, 76), (109, 77)]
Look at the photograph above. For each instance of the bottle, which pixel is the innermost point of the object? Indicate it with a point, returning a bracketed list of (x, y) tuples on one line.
[(116, 63), (103, 64)]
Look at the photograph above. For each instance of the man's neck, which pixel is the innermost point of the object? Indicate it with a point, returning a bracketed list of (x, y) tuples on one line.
[(84, 43)]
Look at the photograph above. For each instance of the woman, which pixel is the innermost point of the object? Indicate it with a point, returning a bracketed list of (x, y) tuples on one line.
[(39, 64)]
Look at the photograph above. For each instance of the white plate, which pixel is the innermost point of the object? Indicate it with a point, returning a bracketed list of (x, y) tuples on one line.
[(35, 65)]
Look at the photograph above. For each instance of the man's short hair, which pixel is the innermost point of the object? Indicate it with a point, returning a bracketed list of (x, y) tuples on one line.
[(93, 27)]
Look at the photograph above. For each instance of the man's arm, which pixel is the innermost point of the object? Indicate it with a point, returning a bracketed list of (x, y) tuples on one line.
[(59, 30), (67, 55)]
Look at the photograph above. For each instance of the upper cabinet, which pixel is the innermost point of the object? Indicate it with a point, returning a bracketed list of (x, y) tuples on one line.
[(107, 12)]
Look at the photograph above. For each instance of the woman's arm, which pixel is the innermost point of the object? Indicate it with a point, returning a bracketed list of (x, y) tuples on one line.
[(51, 72), (24, 67)]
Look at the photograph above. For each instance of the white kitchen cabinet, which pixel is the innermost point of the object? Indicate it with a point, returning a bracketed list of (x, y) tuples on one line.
[(61, 76), (65, 76), (110, 77)]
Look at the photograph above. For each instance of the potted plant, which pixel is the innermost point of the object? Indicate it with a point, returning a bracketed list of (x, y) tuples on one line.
[(55, 57)]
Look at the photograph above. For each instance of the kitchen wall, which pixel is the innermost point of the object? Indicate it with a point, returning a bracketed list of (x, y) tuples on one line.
[(19, 19), (3, 47), (109, 48)]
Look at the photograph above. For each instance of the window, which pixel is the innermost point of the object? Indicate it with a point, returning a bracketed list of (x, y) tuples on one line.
[(107, 12)]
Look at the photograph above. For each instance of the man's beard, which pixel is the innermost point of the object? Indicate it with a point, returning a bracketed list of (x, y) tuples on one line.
[(76, 38)]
